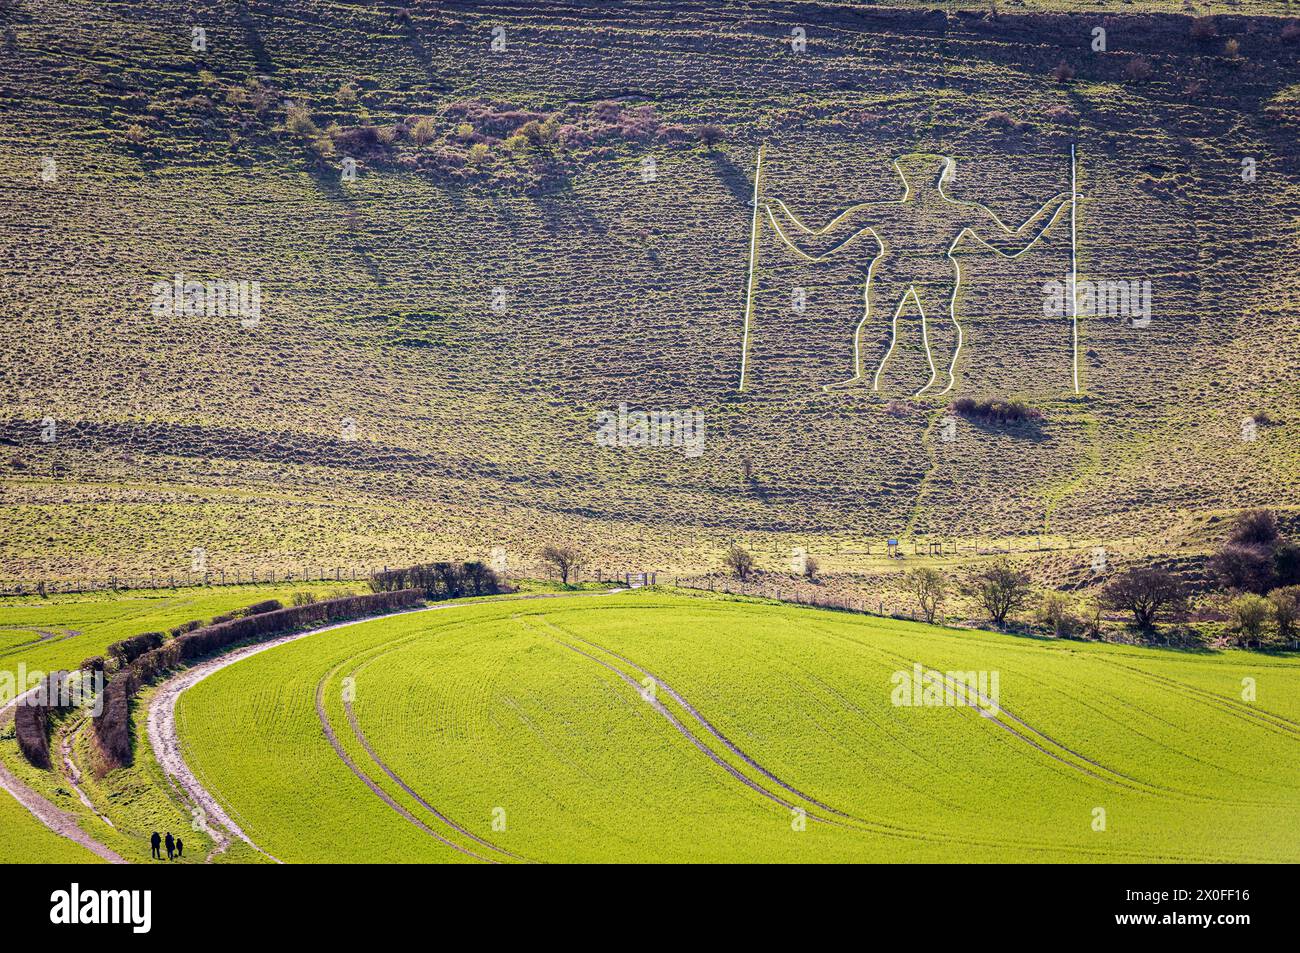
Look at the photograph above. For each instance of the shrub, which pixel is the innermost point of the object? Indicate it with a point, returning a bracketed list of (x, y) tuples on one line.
[(994, 411), (811, 567), (32, 720), (1243, 567), (1286, 612), (1286, 564), (1138, 69), (1148, 594), (480, 579), (929, 588), (128, 650), (297, 119), (1249, 615), (112, 725), (257, 608), (1063, 72), (136, 134), (1000, 120), (739, 562), (1255, 528), (439, 580), (710, 135), (347, 95), (1204, 28), (1055, 613), (186, 627), (303, 597), (1232, 48), (423, 131)]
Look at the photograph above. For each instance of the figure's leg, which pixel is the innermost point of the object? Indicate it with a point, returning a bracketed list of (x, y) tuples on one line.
[(893, 298), (874, 335), (943, 336), (865, 320)]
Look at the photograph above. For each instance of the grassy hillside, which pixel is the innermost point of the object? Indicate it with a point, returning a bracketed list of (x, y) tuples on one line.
[(539, 717), (381, 408)]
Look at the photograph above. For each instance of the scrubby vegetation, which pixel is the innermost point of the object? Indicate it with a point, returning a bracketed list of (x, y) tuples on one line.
[(992, 410), (441, 580)]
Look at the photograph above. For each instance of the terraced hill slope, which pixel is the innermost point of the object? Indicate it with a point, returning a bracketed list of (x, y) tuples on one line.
[(437, 336)]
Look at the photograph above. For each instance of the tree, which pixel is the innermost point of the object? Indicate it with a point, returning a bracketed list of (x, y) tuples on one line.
[(710, 135), (1147, 593), (1286, 564), (480, 578), (740, 562), (1001, 590), (928, 587), (1286, 612), (811, 567), (564, 558), (1250, 614), (1254, 528), (1246, 567)]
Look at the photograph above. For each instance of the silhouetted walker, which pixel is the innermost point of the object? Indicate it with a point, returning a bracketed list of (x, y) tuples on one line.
[(180, 847), (155, 841), (171, 846)]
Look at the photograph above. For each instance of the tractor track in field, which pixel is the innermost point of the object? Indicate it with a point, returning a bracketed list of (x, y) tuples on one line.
[(375, 789), (709, 727), (165, 740), (1108, 775), (844, 820), (45, 637), (1103, 773), (1278, 724), (365, 743)]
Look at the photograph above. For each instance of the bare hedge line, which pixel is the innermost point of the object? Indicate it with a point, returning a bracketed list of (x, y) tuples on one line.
[(32, 719), (113, 724)]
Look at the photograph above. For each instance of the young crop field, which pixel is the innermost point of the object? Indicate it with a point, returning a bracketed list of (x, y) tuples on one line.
[(60, 631), (655, 727)]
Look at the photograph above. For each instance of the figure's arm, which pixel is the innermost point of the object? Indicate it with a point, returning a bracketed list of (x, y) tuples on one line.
[(1010, 242), (818, 244)]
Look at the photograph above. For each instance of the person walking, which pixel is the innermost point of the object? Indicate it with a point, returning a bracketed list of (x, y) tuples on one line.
[(155, 842), (171, 846), (180, 847)]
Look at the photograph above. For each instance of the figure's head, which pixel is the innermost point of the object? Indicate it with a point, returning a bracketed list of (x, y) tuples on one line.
[(924, 171)]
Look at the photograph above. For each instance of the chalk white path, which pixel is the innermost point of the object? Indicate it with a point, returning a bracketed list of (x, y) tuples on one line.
[(61, 822)]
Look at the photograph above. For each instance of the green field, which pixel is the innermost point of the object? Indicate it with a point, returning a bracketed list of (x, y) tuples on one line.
[(62, 630), (533, 714)]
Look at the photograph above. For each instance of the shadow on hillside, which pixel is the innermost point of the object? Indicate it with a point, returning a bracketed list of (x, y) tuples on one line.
[(1030, 429), (565, 210), (326, 180), (735, 178)]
